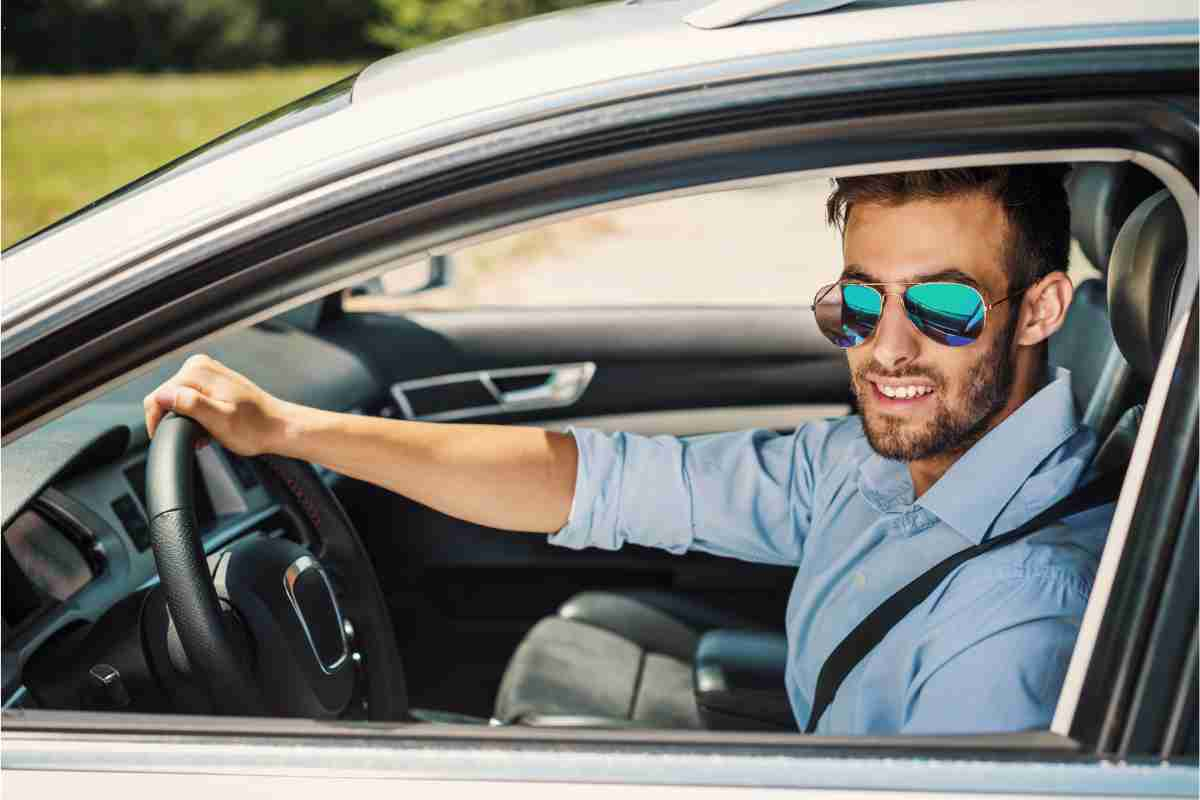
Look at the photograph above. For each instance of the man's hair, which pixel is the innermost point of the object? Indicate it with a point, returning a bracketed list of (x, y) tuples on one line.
[(1033, 197)]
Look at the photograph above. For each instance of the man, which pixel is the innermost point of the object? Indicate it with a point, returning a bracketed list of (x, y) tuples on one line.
[(953, 281)]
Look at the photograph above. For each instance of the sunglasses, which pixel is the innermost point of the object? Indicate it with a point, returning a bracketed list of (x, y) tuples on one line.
[(953, 314)]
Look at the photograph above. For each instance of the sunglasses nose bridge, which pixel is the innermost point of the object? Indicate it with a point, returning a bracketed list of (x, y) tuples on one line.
[(897, 338)]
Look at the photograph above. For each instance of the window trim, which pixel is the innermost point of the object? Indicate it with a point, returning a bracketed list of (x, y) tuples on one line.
[(462, 753)]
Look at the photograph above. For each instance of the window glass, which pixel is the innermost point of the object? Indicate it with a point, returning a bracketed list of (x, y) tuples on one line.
[(761, 245), (766, 245)]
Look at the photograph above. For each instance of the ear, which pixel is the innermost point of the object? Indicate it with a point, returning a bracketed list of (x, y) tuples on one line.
[(1044, 308)]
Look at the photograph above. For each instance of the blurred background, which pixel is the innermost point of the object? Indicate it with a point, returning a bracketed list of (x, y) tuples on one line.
[(96, 93)]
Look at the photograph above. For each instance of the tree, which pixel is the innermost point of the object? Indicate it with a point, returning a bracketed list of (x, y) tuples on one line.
[(411, 23)]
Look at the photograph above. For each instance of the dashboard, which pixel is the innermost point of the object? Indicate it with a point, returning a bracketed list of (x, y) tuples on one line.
[(84, 544), (76, 540)]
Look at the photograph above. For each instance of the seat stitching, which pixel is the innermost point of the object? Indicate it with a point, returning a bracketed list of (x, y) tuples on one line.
[(602, 627), (637, 682), (310, 510)]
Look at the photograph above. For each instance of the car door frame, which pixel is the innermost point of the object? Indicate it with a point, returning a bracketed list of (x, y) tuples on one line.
[(245, 284)]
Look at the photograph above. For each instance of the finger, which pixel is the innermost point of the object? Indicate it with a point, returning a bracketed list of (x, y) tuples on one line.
[(207, 411), (156, 405)]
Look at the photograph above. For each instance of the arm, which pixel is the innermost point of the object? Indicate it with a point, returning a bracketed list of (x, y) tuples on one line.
[(496, 475), (746, 494)]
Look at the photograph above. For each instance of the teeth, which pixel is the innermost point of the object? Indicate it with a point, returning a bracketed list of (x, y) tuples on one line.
[(904, 392)]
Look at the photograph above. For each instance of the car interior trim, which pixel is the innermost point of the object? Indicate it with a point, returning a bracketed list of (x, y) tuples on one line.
[(561, 386), (1088, 638), (292, 574), (1161, 700), (694, 421), (1115, 714)]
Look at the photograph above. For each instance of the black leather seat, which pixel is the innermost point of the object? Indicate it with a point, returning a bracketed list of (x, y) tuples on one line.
[(1146, 270), (627, 659), (611, 658), (1102, 197)]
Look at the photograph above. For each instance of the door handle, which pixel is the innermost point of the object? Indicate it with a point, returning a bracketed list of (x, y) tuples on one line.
[(488, 392), (562, 386)]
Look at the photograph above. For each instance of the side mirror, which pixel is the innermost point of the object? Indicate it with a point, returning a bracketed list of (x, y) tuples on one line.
[(435, 273)]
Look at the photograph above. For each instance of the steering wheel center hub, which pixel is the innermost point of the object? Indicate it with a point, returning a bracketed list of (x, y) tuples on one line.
[(288, 604)]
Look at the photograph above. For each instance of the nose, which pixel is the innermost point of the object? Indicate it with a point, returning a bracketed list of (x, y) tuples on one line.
[(896, 341)]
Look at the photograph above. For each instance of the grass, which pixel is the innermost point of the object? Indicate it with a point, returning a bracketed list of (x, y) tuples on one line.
[(68, 141)]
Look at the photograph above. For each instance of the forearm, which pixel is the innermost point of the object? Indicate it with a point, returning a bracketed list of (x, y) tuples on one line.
[(513, 478)]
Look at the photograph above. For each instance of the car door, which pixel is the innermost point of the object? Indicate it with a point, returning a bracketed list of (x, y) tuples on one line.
[(54, 754)]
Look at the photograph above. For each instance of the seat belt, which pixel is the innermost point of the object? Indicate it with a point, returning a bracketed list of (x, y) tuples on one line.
[(870, 632)]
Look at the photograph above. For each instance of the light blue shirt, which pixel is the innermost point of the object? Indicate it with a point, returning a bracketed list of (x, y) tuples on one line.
[(986, 652)]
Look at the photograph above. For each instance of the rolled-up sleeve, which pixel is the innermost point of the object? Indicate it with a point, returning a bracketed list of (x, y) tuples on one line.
[(732, 494)]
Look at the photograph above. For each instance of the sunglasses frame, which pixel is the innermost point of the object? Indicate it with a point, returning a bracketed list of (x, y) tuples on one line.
[(824, 290)]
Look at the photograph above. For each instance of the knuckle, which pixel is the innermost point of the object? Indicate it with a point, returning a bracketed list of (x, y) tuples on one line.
[(197, 361)]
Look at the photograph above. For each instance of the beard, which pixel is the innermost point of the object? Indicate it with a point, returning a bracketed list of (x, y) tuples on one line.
[(987, 387)]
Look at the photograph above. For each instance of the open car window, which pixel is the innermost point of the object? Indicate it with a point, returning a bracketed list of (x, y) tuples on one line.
[(765, 245)]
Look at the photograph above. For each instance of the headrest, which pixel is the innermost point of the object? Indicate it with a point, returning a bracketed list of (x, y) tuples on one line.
[(1102, 196), (1143, 279)]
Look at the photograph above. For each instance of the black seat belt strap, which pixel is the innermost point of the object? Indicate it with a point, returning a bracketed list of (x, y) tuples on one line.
[(871, 631)]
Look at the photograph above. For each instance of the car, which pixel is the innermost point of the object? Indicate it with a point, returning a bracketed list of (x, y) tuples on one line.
[(613, 217)]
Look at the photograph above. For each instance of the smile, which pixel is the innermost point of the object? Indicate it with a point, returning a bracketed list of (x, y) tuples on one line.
[(903, 392)]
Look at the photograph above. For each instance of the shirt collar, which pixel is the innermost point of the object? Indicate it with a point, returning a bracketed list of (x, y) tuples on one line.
[(981, 483)]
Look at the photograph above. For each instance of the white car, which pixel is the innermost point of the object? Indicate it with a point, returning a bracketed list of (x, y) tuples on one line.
[(611, 216)]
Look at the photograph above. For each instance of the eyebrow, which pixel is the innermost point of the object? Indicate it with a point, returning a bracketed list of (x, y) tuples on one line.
[(854, 272)]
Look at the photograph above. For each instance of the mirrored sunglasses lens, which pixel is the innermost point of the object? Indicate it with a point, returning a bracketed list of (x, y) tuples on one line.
[(949, 313), (847, 315)]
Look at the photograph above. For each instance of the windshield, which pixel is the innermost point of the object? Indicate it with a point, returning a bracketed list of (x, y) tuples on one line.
[(313, 106)]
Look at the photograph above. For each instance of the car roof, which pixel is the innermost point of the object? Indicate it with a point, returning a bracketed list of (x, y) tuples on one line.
[(531, 69)]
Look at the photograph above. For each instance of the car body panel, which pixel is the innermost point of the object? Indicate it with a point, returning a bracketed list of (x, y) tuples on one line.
[(565, 759)]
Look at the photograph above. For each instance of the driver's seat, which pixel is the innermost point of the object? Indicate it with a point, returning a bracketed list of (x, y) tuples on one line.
[(612, 659)]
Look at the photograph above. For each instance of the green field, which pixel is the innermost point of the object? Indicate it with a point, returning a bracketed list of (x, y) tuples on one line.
[(68, 141)]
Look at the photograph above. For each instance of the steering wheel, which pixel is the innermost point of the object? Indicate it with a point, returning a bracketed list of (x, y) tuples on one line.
[(264, 629)]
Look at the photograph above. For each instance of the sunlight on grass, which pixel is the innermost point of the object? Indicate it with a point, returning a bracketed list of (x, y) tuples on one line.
[(68, 141)]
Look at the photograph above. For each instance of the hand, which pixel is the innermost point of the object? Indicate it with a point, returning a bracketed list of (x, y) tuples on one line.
[(233, 410)]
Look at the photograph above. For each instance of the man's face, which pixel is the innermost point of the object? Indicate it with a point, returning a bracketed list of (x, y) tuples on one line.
[(965, 387)]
